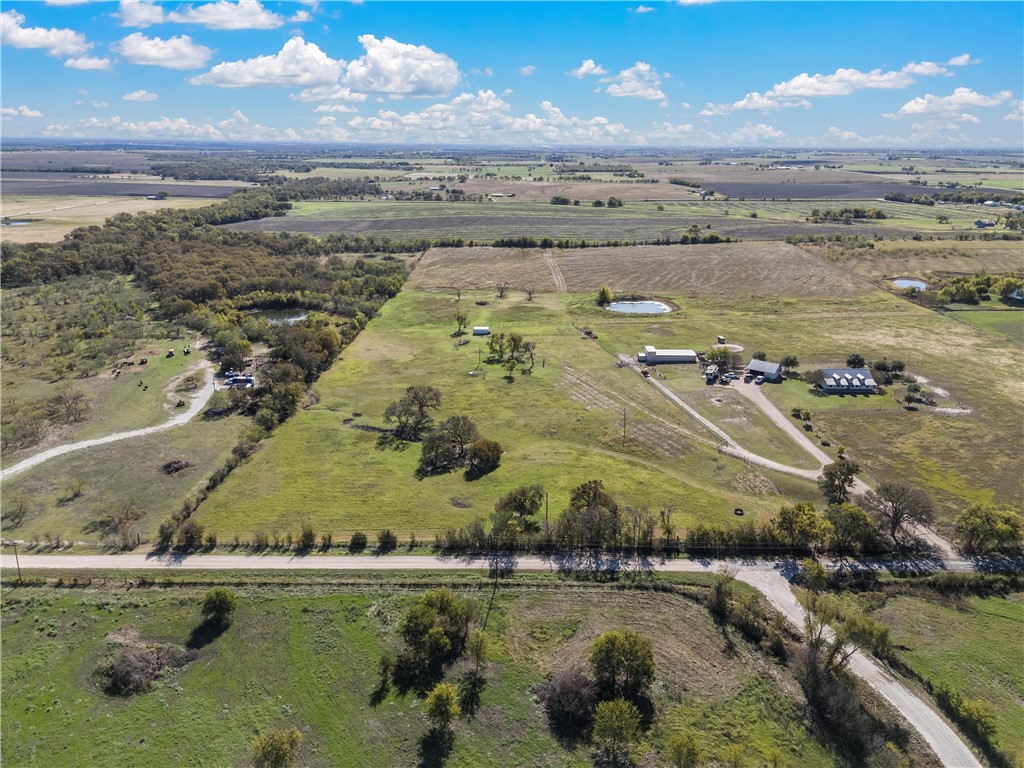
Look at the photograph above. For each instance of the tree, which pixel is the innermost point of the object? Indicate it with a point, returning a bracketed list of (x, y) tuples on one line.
[(982, 527), (569, 699), (605, 296), (522, 504), (219, 605), (720, 356), (855, 361), (852, 527), (412, 413), (447, 446), (616, 728), (896, 508), (68, 405), (623, 664), (483, 456), (503, 287), (760, 356), (461, 320), (834, 632), (189, 534), (276, 748), (476, 648), (837, 479), (789, 362), (683, 751), (358, 542), (614, 202), (801, 525), (442, 707), (387, 540)]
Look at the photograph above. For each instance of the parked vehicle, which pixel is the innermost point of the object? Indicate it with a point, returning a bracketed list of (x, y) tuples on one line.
[(759, 380)]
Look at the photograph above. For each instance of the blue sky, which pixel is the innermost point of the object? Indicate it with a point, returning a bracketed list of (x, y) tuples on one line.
[(828, 74)]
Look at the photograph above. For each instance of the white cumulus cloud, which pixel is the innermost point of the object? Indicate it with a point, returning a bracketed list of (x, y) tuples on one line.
[(642, 9), (20, 111), (588, 67), (139, 13), (335, 108), (528, 70), (962, 60), (328, 93), (754, 134), (795, 92), (87, 63), (641, 81), (56, 42), (297, 64), (224, 14), (173, 53), (140, 95), (952, 105), (400, 69), (925, 68), (1017, 115)]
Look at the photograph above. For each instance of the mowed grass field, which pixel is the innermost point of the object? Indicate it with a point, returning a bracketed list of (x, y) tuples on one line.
[(972, 646), (317, 670), (560, 426), (47, 218)]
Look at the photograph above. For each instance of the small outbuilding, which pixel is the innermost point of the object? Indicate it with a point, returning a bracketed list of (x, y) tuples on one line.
[(847, 380), (653, 356), (481, 330), (770, 371)]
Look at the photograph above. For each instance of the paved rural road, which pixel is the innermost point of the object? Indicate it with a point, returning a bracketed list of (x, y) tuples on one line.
[(769, 578), (199, 400)]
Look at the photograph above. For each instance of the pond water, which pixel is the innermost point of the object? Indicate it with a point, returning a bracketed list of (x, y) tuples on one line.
[(906, 282), (640, 307), (281, 316)]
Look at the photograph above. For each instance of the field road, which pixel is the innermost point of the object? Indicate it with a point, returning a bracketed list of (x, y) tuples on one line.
[(199, 400), (769, 578), (556, 273)]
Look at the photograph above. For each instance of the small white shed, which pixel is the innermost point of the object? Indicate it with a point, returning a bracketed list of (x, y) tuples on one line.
[(481, 330)]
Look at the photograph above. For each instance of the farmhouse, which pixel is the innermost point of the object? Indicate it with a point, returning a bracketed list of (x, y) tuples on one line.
[(982, 223), (653, 356), (770, 371), (842, 380), (481, 330)]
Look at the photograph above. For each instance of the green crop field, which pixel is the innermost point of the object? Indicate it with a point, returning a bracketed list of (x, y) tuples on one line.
[(973, 646), (317, 665)]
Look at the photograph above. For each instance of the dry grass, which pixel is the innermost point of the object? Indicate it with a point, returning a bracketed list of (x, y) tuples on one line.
[(908, 258), (52, 217), (733, 270)]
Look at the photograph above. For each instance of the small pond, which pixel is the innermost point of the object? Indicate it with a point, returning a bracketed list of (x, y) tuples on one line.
[(281, 316), (906, 282), (640, 307)]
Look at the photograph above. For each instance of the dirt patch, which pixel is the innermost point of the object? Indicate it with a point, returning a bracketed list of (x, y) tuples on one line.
[(754, 484), (125, 636)]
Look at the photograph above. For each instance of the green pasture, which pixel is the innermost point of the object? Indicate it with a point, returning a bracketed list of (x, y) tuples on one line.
[(973, 646), (317, 665), (1001, 322), (560, 425)]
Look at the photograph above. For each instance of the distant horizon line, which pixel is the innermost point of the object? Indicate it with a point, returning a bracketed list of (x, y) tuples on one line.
[(595, 148)]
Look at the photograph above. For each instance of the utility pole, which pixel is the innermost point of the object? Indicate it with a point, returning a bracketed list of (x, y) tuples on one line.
[(16, 562)]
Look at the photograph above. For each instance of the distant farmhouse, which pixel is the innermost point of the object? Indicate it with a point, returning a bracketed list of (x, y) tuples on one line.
[(982, 223), (653, 356), (770, 371), (847, 380)]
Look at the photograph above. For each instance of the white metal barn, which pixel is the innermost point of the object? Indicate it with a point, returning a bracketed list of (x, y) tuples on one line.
[(481, 330), (653, 356)]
